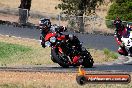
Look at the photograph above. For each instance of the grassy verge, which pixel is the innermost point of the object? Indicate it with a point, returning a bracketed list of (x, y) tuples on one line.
[(8, 51), (15, 51), (104, 55), (62, 85), (48, 80), (15, 54), (110, 54)]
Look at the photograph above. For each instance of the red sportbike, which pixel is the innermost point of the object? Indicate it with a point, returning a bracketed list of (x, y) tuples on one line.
[(66, 50)]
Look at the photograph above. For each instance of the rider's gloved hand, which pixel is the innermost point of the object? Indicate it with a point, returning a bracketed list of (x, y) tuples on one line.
[(43, 45)]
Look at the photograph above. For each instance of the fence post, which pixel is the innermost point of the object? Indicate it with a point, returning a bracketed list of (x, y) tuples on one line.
[(81, 23), (23, 16), (59, 18), (93, 26)]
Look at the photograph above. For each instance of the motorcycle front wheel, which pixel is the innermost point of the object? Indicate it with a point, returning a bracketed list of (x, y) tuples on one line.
[(52, 56), (61, 60)]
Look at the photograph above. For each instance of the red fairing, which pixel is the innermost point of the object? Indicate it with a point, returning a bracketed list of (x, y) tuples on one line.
[(49, 35), (121, 33), (62, 37), (118, 42), (120, 51), (124, 31), (76, 58)]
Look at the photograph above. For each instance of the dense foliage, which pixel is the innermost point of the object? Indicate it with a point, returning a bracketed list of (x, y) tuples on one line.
[(122, 9), (79, 7)]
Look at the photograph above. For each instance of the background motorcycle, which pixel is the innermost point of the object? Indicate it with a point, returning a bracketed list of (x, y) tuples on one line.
[(127, 40)]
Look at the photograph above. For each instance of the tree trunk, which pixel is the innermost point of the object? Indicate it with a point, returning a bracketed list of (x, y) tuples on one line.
[(81, 28), (23, 16), (80, 23), (24, 9), (80, 14)]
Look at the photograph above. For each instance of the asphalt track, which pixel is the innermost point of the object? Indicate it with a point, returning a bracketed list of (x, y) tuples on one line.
[(92, 41), (89, 40)]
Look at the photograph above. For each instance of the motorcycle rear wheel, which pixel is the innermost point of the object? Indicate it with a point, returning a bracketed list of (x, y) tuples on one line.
[(88, 60)]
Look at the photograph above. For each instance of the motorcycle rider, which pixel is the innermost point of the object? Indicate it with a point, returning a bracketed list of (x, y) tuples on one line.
[(120, 31), (117, 23), (44, 25)]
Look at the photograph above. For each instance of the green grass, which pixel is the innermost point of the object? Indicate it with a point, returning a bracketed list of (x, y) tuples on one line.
[(7, 50), (9, 86), (101, 56), (15, 54), (110, 54)]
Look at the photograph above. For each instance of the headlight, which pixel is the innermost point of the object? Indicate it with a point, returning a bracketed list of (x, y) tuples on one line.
[(47, 44), (53, 39)]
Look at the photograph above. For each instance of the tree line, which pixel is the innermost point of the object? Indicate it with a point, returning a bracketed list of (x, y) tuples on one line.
[(120, 8)]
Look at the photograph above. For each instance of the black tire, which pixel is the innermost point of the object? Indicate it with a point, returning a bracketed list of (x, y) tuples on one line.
[(130, 51), (58, 58), (125, 53), (88, 60), (52, 57), (81, 80)]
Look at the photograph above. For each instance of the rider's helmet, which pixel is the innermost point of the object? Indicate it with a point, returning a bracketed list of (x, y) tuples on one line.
[(71, 36), (118, 20), (44, 23)]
